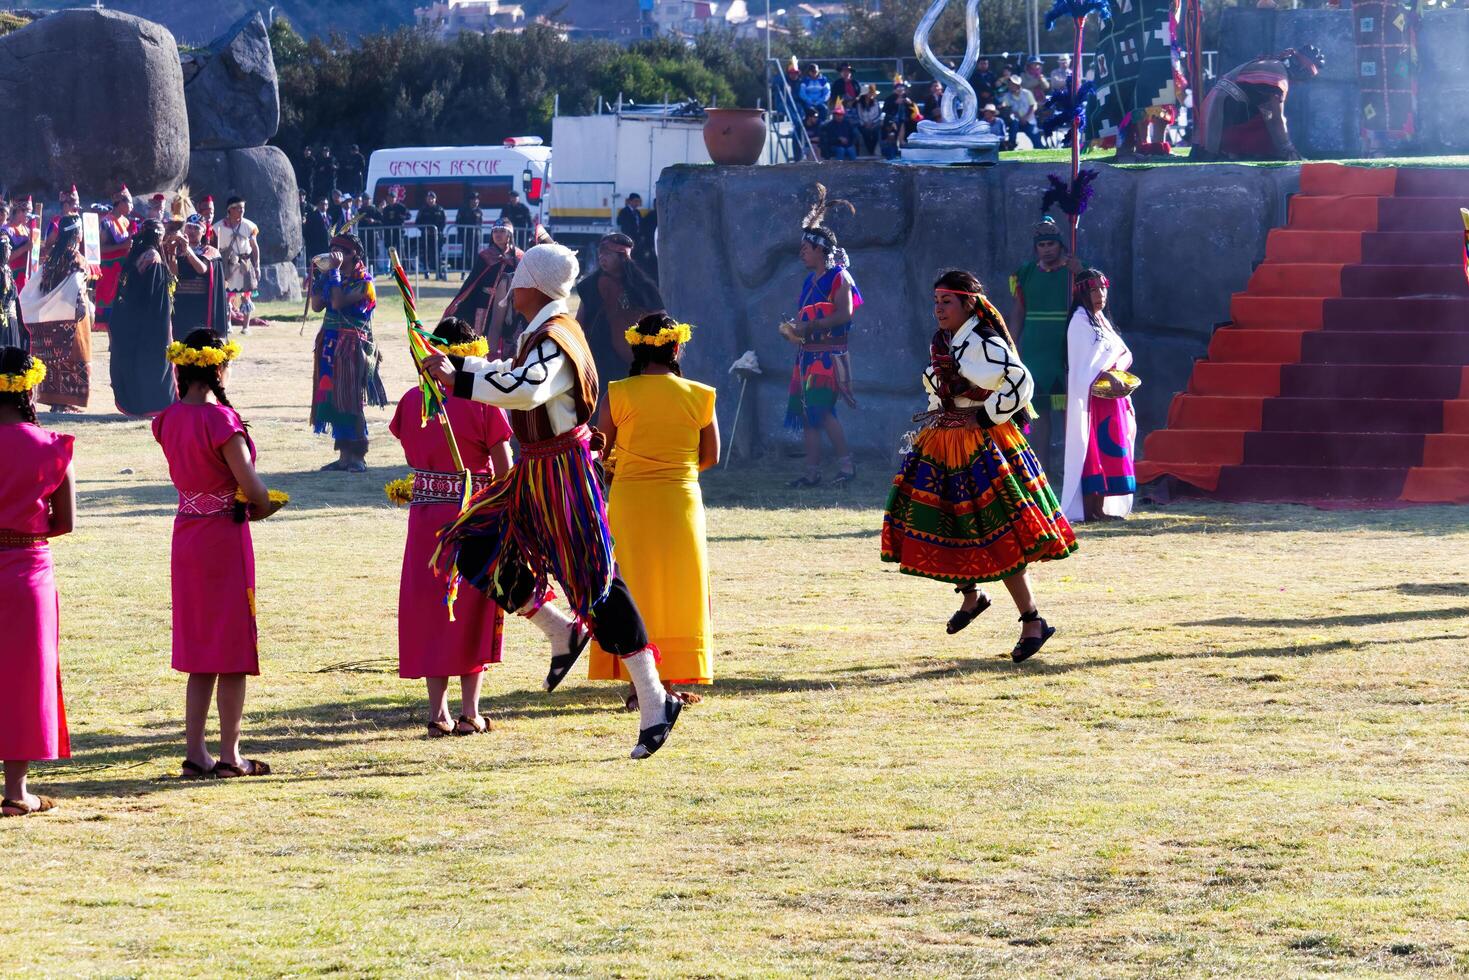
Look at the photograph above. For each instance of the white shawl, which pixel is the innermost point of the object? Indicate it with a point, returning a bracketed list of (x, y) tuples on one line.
[(1089, 352), (988, 363), (58, 305)]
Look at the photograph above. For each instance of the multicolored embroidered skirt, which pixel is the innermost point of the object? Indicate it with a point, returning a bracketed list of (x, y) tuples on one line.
[(972, 505), (1108, 467), (821, 378)]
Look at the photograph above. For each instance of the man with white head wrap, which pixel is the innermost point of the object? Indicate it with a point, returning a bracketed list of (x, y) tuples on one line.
[(548, 517)]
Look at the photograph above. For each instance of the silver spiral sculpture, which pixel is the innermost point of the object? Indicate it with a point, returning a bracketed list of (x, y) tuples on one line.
[(960, 105)]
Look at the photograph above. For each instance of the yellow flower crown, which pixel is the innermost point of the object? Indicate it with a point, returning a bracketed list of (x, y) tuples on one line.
[(679, 333), (184, 356), (276, 496), (25, 380), (475, 348), (400, 491)]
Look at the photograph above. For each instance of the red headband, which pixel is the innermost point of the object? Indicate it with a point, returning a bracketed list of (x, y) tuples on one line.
[(956, 292)]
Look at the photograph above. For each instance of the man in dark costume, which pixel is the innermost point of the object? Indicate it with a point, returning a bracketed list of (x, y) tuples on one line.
[(1244, 113), (484, 299), (613, 298)]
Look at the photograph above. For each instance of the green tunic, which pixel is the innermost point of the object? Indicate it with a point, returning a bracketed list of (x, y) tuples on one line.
[(1043, 340)]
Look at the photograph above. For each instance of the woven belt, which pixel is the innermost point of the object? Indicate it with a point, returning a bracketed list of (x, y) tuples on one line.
[(951, 418), (14, 539), (433, 487), (563, 443), (205, 504)]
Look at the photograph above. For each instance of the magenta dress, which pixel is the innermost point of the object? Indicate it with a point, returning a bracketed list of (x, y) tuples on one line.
[(213, 560), (32, 716), (429, 645)]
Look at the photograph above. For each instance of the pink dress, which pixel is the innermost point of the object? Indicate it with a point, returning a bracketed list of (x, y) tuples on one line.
[(213, 560), (429, 645), (32, 716)]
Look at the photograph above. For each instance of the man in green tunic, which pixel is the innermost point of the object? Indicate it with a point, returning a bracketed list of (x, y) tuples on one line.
[(1042, 291)]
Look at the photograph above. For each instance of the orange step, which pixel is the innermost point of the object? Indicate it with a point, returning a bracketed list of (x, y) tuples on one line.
[(1334, 213), (1212, 378), (1435, 485), (1276, 312), (1295, 245), (1223, 447), (1205, 476), (1216, 412), (1295, 279), (1448, 450), (1256, 346), (1333, 179), (1456, 417)]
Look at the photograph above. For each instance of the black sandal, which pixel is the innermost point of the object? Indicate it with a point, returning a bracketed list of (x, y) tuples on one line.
[(1029, 646), (963, 617), (561, 663), (804, 482), (844, 477), (478, 725), (651, 739)]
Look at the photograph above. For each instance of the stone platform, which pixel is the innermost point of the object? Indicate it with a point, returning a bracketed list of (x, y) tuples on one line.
[(1176, 240)]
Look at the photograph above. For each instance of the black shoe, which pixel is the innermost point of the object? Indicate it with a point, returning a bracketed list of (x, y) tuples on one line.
[(1029, 646), (964, 617), (844, 477), (562, 663), (651, 739), (801, 482)]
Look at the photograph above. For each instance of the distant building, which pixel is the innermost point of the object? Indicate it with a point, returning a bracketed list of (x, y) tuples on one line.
[(815, 17), (696, 16), (450, 17), (621, 21)]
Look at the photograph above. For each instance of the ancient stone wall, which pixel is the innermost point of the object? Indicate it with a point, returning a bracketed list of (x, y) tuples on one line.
[(1176, 241)]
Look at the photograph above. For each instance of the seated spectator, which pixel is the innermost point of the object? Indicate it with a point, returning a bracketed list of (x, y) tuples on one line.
[(793, 78), (983, 77), (846, 87), (933, 102), (812, 125), (839, 136), (1034, 80), (900, 110), (1060, 79), (815, 91), (1022, 108), (888, 145), (868, 117), (990, 122)]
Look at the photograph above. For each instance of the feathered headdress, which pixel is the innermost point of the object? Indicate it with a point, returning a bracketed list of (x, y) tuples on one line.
[(182, 207), (1078, 9), (1070, 199), (816, 217), (1062, 110)]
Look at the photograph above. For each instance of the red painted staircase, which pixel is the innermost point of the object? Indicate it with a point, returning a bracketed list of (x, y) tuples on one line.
[(1344, 375)]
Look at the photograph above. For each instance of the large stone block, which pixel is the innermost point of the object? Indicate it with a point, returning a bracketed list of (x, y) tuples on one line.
[(1443, 78), (97, 99), (263, 177), (1245, 33), (232, 97), (280, 280), (1324, 119)]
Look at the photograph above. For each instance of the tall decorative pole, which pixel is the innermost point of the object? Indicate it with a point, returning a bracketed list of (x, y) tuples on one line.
[(1073, 202)]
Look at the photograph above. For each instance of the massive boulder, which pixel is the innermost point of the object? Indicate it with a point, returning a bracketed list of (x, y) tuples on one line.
[(231, 90), (263, 177), (97, 99)]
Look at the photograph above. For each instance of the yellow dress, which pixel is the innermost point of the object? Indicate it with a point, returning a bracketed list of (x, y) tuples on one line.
[(657, 518)]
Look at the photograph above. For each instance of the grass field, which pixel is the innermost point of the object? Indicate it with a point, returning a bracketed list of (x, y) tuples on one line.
[(1244, 754)]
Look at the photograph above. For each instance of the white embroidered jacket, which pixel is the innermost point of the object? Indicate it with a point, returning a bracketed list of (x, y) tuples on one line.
[(989, 363), (546, 378)]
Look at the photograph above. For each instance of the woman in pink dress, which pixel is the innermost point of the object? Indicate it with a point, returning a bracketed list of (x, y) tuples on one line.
[(210, 456), (429, 645), (37, 502)]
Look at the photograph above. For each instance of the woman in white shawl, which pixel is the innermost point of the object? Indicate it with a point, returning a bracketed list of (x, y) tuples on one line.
[(1100, 426), (56, 309)]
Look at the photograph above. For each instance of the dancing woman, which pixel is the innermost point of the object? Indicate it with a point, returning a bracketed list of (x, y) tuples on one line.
[(37, 503), (970, 503)]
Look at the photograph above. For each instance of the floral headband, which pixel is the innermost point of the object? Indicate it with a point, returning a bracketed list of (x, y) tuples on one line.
[(184, 356), (479, 347), (24, 380), (679, 333)]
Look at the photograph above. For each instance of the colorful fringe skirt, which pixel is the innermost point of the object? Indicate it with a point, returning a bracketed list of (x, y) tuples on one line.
[(546, 519), (972, 505), (345, 380), (820, 379)]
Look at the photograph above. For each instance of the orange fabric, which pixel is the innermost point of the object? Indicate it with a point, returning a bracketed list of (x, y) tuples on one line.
[(1326, 179), (1344, 213), (1456, 416), (1295, 279), (1464, 383), (1446, 450), (1212, 446), (1294, 245), (1277, 312), (1210, 378), (1215, 412), (1426, 485), (1205, 476), (1256, 346)]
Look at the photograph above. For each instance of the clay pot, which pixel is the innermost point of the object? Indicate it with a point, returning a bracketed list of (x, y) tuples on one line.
[(735, 137)]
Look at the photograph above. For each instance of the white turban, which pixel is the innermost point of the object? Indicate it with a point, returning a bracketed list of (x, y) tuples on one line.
[(551, 269)]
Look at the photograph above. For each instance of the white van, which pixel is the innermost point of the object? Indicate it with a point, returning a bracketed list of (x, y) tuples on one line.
[(406, 174)]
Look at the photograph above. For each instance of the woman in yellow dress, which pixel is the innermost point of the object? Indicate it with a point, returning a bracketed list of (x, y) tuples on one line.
[(661, 434)]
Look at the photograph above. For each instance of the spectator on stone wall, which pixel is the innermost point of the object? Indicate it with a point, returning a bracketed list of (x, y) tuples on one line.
[(888, 144), (812, 126), (867, 114), (846, 87), (983, 77), (990, 121), (815, 91), (1021, 105), (839, 136), (901, 110), (354, 171), (1060, 77)]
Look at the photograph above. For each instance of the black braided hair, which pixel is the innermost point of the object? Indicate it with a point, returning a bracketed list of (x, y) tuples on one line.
[(990, 320), (452, 330), (1081, 296), (188, 375), (13, 360), (662, 354)]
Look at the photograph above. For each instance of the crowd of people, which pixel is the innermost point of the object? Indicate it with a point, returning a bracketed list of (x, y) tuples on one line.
[(847, 119)]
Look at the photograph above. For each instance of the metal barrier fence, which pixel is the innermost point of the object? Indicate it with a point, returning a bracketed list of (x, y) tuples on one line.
[(425, 253)]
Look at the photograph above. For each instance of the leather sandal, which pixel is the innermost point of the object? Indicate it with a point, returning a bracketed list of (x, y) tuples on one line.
[(478, 725), (224, 770), (964, 617), (438, 729), (1029, 646), (192, 770), (43, 803)]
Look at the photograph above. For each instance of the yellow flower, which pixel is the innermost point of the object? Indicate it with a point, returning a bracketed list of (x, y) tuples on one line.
[(679, 333), (185, 356), (24, 381), (399, 491), (475, 348), (276, 496)]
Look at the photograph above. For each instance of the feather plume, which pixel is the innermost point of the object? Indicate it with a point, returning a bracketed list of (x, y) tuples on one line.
[(1062, 111), (1071, 199), (818, 212), (1077, 10)]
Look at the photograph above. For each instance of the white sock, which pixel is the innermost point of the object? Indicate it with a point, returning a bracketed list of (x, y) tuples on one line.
[(644, 673), (556, 625)]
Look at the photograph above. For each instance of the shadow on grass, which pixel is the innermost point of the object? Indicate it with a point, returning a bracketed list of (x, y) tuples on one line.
[(309, 490), (1358, 619)]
